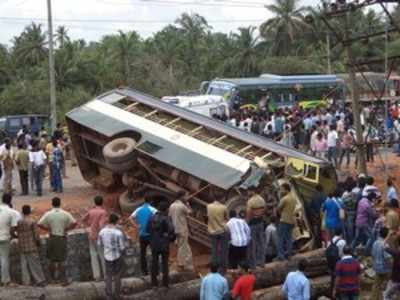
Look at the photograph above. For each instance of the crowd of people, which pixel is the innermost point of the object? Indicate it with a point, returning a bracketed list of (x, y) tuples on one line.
[(34, 157), (323, 132), (355, 220), (355, 213)]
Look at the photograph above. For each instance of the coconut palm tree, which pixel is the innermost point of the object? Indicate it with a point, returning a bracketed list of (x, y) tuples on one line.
[(285, 26), (62, 36), (126, 46), (29, 47), (245, 52), (194, 29)]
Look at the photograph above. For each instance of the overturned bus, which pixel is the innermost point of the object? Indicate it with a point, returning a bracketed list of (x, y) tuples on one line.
[(127, 138)]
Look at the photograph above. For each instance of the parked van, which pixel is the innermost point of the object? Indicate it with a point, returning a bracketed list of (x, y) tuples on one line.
[(10, 125), (207, 105)]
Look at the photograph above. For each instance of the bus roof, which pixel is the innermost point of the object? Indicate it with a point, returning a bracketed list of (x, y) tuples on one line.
[(270, 79)]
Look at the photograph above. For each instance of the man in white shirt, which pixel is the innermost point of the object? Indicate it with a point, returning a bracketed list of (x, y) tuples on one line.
[(313, 138), (297, 285), (112, 240), (271, 240), (308, 123), (8, 222), (240, 236), (339, 241), (38, 160), (370, 187), (332, 141), (391, 191)]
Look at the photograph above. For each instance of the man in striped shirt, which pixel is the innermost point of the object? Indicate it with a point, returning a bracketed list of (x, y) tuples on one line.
[(112, 240), (240, 236), (348, 270)]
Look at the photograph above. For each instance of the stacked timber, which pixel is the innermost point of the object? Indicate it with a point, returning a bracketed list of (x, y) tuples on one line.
[(271, 276), (184, 286)]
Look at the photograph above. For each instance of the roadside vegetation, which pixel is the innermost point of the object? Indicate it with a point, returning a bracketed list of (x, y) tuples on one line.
[(177, 58)]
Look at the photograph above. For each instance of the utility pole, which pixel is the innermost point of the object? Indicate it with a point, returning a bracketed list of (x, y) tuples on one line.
[(52, 76), (355, 97), (386, 102), (328, 54)]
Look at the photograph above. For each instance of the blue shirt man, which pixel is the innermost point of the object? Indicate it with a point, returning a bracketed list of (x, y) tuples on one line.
[(141, 217), (214, 286), (297, 286), (331, 208)]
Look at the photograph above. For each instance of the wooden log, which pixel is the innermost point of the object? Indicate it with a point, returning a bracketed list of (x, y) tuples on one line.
[(271, 275), (86, 290), (319, 287)]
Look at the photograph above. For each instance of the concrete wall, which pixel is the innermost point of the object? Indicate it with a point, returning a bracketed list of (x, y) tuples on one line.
[(78, 259)]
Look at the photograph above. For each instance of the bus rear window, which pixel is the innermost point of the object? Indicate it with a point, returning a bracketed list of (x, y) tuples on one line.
[(15, 123), (2, 124)]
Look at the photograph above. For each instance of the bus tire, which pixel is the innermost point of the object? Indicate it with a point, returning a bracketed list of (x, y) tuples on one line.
[(236, 203), (126, 205), (119, 150), (123, 167)]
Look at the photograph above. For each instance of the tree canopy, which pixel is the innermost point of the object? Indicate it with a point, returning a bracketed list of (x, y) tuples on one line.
[(176, 58)]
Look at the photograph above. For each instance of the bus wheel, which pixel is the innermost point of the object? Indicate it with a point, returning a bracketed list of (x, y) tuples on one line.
[(119, 150), (121, 168), (236, 203), (129, 205)]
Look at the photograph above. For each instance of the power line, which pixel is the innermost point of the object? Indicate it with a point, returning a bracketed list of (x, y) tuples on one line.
[(190, 3), (23, 19)]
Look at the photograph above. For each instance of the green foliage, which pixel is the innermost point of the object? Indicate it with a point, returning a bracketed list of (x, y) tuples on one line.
[(178, 57)]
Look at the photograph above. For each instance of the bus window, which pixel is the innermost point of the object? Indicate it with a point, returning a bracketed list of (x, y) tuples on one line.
[(14, 123), (2, 123), (26, 121), (311, 172)]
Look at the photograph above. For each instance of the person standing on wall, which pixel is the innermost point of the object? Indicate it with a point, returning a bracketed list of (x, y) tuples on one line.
[(28, 244), (179, 211), (140, 218), (112, 240), (161, 233), (57, 222), (8, 222), (95, 219)]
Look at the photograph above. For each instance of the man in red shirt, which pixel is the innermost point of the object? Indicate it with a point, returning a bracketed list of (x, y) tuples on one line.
[(243, 286), (95, 219)]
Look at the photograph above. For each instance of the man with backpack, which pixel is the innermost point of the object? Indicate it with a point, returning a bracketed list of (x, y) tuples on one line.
[(334, 253), (161, 233)]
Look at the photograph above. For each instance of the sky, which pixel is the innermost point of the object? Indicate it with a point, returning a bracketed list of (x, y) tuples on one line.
[(91, 19)]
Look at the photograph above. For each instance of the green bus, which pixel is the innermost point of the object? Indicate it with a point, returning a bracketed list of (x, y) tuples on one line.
[(307, 91)]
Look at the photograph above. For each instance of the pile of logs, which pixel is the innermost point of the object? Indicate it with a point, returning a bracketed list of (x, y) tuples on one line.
[(185, 286), (268, 281)]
